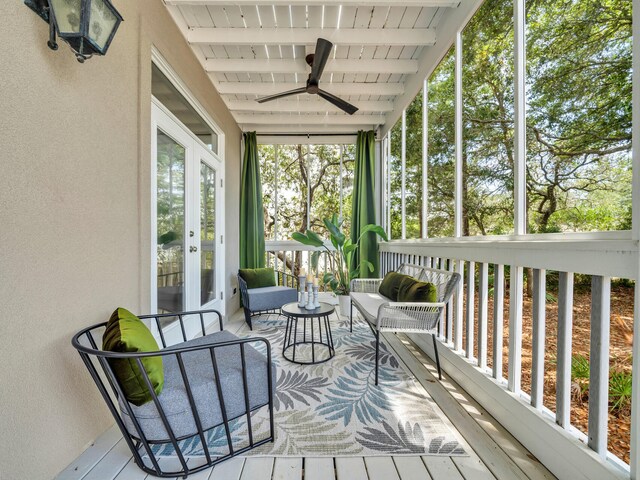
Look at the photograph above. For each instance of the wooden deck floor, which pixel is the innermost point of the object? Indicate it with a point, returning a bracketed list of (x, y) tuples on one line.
[(493, 452)]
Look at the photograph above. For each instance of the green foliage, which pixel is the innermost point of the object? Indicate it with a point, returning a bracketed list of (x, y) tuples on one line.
[(342, 257), (304, 172), (579, 367), (620, 391), (578, 124)]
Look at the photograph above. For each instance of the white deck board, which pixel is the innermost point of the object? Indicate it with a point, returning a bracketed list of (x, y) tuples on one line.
[(131, 471), (287, 468), (442, 468), (472, 468), (229, 470), (411, 468), (92, 455), (319, 469), (493, 452), (351, 468), (112, 463), (257, 468), (381, 468)]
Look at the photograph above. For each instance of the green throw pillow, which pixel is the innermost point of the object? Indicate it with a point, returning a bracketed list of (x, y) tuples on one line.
[(411, 290), (258, 277), (127, 333), (391, 284)]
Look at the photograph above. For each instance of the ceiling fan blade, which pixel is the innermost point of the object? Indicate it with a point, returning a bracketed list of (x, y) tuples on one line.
[(338, 102), (320, 57), (295, 91)]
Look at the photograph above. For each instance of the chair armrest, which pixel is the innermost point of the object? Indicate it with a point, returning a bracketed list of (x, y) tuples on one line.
[(244, 294), (409, 316), (365, 285)]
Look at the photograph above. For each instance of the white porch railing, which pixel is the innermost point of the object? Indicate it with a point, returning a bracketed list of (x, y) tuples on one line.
[(289, 256), (566, 451)]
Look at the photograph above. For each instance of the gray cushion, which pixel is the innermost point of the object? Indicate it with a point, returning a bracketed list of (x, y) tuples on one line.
[(367, 304), (174, 399), (270, 298)]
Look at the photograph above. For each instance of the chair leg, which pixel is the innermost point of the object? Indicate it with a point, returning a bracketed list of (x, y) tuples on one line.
[(351, 316), (377, 354), (247, 317), (435, 349)]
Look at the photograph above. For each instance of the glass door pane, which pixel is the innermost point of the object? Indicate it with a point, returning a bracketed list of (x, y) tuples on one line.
[(171, 159), (207, 233)]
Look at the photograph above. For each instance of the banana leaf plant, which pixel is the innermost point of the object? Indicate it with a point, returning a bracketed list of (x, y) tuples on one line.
[(343, 264)]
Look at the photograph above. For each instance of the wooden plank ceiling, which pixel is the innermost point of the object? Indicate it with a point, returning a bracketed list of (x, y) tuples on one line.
[(252, 48)]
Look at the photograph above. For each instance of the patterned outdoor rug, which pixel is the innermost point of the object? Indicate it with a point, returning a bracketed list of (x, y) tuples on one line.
[(335, 409)]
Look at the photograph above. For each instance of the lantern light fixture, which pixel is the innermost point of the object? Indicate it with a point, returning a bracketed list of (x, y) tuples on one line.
[(88, 26)]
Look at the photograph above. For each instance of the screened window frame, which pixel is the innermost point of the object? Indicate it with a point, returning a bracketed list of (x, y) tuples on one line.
[(520, 148)]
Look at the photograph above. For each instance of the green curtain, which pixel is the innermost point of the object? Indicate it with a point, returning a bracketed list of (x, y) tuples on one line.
[(363, 208), (252, 253)]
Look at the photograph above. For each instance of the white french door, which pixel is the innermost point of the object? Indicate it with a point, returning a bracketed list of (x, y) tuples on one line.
[(187, 227)]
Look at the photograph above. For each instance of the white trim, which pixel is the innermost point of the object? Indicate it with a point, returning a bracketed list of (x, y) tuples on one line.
[(320, 119), (609, 257), (290, 66), (458, 137), (309, 36), (337, 88), (520, 126), (425, 159), (635, 396), (403, 174), (275, 200), (159, 61), (306, 140)]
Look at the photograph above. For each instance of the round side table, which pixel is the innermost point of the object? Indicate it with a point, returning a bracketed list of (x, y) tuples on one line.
[(305, 331)]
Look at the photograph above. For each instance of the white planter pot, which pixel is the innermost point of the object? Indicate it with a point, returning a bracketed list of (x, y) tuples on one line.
[(344, 302)]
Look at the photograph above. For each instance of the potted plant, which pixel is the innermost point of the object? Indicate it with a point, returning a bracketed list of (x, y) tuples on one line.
[(342, 261)]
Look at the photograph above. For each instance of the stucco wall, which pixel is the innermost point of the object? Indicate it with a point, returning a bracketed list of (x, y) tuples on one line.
[(74, 217)]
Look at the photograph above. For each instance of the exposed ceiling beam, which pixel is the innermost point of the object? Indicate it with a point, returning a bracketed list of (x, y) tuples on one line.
[(308, 129), (257, 88), (241, 65), (267, 119), (312, 105), (302, 3), (309, 36)]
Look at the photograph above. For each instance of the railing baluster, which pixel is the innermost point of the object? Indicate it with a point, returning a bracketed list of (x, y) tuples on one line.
[(483, 305), (471, 291), (498, 319), (515, 328), (599, 364), (563, 374), (443, 319), (635, 390), (538, 340), (457, 342)]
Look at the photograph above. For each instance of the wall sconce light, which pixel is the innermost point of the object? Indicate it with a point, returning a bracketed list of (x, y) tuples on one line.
[(88, 26)]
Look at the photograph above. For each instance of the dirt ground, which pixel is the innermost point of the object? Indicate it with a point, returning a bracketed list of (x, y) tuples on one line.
[(620, 354)]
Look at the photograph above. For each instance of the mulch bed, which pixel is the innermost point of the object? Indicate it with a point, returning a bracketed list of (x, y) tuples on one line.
[(620, 354)]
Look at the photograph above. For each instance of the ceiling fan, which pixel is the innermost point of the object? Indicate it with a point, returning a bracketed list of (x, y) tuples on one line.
[(317, 62)]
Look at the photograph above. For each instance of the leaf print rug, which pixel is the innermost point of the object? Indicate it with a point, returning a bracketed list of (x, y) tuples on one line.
[(334, 408)]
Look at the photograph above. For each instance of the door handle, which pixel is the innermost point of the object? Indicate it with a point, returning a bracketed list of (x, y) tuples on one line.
[(193, 249)]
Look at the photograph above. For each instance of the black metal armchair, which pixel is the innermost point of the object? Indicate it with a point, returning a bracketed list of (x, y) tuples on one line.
[(213, 387), (256, 301)]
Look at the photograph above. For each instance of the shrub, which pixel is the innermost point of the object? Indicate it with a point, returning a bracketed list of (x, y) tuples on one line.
[(620, 391)]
